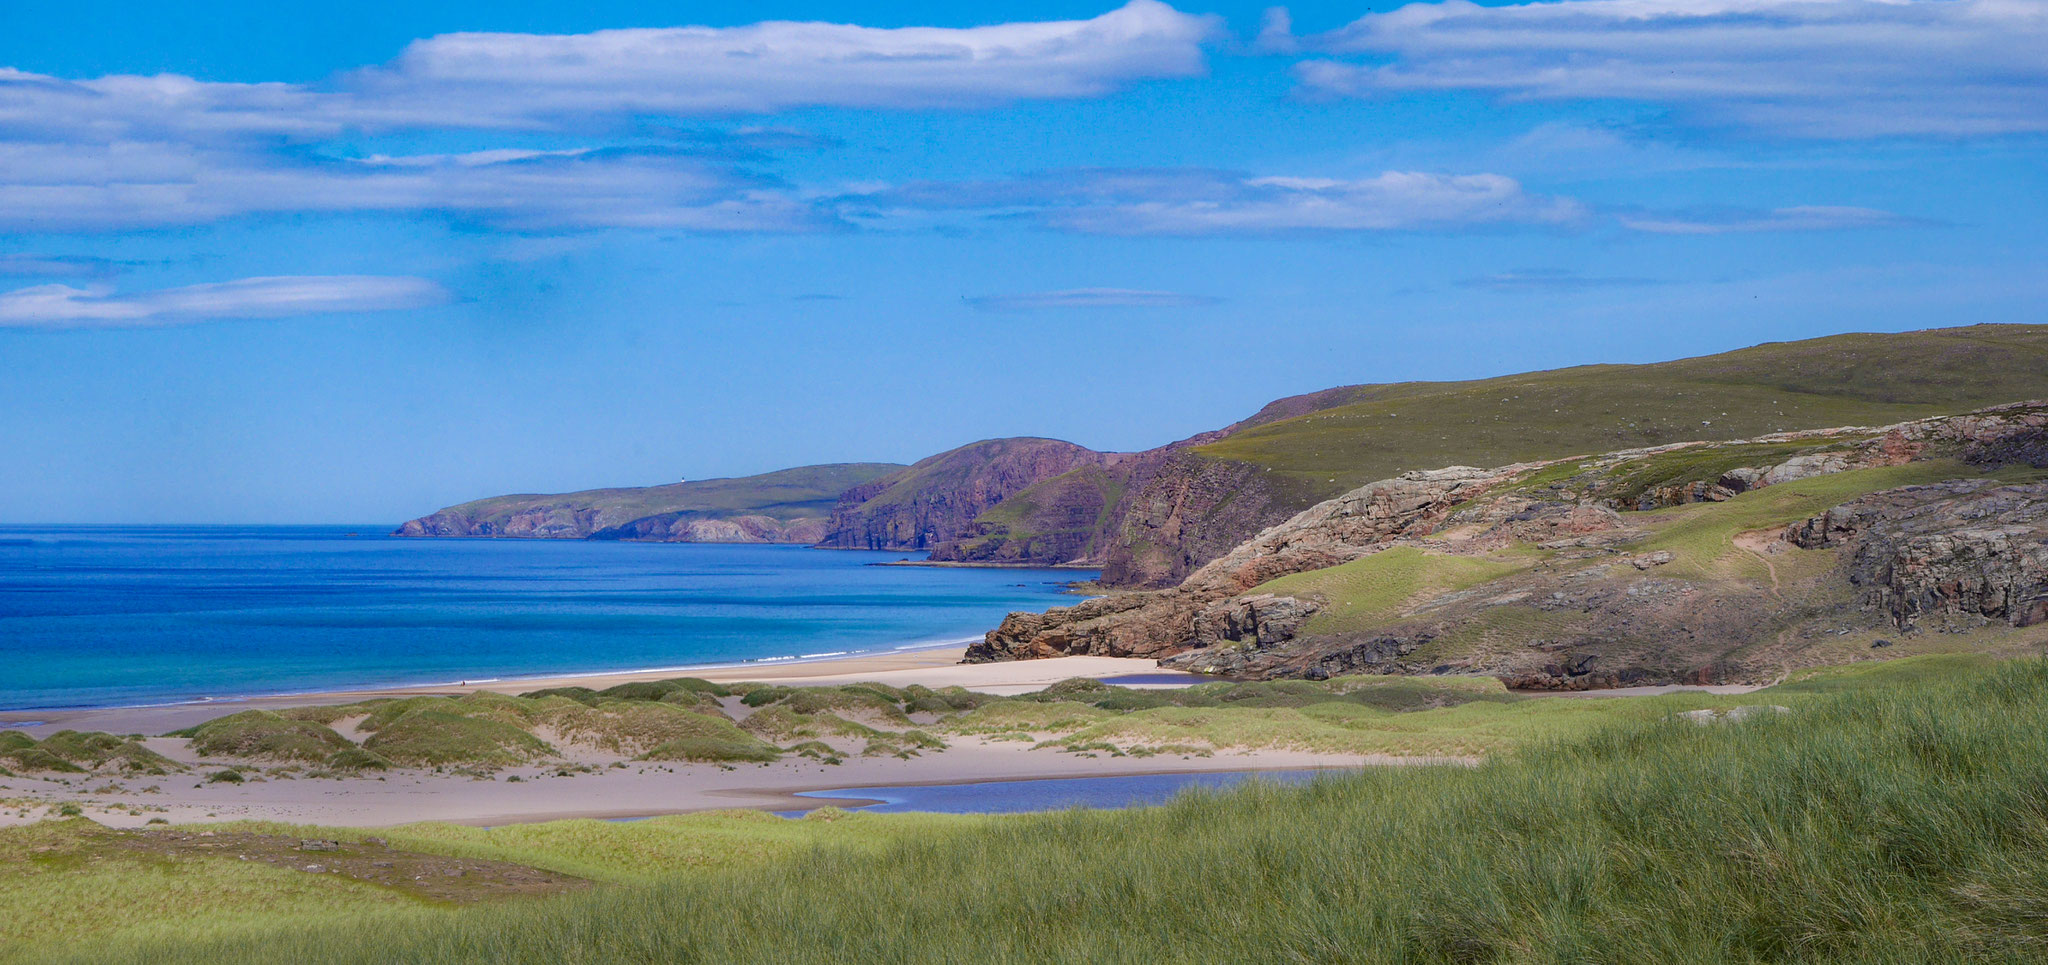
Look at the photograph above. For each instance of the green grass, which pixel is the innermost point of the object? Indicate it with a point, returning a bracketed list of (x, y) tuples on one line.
[(1368, 432), (1898, 819), (66, 883), (62, 887), (434, 738), (263, 735), (1363, 592)]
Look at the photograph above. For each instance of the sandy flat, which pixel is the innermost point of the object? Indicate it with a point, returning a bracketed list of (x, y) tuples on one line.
[(637, 790)]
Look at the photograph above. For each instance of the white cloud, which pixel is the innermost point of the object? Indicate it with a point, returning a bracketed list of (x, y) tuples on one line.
[(1088, 298), (1804, 218), (574, 81), (63, 306), (1803, 68), (1204, 202), (504, 78), (126, 151)]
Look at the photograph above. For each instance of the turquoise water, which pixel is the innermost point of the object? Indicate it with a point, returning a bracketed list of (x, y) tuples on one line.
[(1052, 794), (100, 616)]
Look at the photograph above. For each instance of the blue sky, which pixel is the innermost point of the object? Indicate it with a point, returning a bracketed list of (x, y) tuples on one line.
[(263, 263)]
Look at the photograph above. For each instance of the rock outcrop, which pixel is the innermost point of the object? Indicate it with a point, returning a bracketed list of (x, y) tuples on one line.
[(1164, 622), (1965, 549), (938, 498), (1586, 598)]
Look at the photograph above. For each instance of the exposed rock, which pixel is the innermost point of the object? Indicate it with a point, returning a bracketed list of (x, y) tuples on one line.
[(1965, 548), (1262, 620)]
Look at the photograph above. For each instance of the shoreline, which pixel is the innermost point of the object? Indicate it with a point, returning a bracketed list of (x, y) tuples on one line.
[(551, 679)]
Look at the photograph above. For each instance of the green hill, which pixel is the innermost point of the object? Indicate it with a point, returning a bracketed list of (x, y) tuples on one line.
[(1304, 449)]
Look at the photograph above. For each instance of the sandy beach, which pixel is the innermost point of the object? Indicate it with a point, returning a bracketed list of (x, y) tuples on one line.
[(551, 791)]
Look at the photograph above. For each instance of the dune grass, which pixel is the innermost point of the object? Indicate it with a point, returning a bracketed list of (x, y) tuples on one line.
[(1900, 818), (435, 738), (263, 735), (77, 752)]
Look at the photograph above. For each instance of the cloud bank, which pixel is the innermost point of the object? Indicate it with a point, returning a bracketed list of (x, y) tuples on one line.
[(63, 306), (1799, 68)]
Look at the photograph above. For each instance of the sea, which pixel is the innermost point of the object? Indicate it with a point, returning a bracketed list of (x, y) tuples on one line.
[(97, 616)]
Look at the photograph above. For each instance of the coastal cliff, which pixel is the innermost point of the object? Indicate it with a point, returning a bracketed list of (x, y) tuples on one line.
[(789, 506), (938, 498)]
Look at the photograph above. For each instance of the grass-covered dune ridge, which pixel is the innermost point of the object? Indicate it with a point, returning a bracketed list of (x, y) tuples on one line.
[(1898, 815)]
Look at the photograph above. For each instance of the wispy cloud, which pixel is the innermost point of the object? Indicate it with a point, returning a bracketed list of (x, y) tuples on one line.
[(1088, 298), (1190, 201), (1800, 68), (71, 187), (56, 266), (63, 306), (1804, 218), (1536, 280)]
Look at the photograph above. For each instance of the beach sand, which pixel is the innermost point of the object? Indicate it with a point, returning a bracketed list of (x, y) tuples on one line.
[(638, 789)]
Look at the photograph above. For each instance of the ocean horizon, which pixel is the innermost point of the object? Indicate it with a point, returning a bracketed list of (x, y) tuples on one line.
[(114, 615)]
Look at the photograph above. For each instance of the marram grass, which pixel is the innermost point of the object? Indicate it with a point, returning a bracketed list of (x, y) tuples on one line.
[(1897, 820)]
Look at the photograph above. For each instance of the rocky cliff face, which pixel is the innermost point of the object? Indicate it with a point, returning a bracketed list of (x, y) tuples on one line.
[(937, 499), (1966, 548), (1592, 593)]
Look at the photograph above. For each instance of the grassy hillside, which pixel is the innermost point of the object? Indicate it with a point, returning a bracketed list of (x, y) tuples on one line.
[(793, 502), (1367, 432), (1893, 813)]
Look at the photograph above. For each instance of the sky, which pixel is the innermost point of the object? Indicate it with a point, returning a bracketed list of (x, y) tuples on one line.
[(267, 262)]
